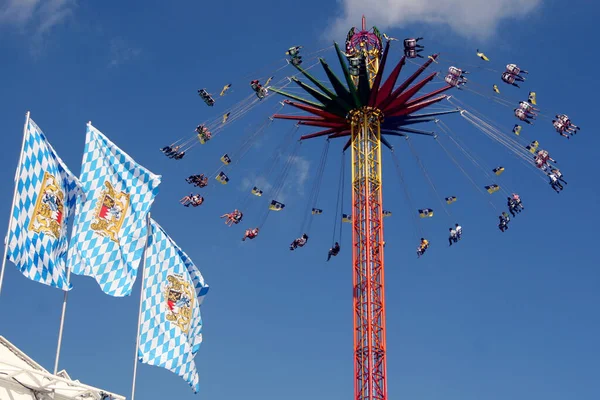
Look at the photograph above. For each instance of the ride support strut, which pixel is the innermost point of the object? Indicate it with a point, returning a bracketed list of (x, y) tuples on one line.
[(367, 256)]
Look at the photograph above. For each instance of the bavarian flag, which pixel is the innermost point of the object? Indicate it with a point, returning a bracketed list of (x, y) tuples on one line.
[(276, 206), (110, 228), (45, 196), (170, 322)]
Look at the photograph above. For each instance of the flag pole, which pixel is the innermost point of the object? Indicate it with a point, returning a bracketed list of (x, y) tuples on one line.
[(17, 174), (62, 316), (137, 337), (62, 324)]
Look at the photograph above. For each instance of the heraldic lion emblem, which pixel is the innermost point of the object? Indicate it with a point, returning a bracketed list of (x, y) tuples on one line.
[(110, 212), (48, 214), (179, 296)]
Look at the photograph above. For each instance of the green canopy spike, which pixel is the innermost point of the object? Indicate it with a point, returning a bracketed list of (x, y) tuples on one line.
[(364, 86), (312, 91), (349, 80), (297, 98), (338, 86), (330, 105), (337, 98)]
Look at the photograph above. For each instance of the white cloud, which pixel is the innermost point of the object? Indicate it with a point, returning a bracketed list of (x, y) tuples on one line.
[(259, 181), (296, 178), (469, 18), (293, 184), (122, 52), (38, 16), (300, 171)]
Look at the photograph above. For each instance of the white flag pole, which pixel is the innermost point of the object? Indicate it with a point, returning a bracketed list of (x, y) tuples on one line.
[(62, 324), (137, 337), (62, 316), (17, 174)]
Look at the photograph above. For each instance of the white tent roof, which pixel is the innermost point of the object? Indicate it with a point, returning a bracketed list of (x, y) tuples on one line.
[(21, 378)]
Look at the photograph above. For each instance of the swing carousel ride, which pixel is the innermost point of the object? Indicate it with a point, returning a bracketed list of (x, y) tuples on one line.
[(368, 108)]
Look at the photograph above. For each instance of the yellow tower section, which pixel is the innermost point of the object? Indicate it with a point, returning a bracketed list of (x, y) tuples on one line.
[(372, 56)]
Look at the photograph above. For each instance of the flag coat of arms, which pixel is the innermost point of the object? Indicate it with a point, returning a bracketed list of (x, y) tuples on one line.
[(46, 191), (109, 231), (170, 323)]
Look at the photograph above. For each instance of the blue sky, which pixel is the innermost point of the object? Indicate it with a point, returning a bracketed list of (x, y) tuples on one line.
[(500, 315)]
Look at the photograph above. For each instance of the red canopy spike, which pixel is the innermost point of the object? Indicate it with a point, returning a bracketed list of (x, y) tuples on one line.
[(406, 83), (314, 110), (320, 133), (324, 124), (340, 134), (404, 97), (299, 117), (390, 82), (417, 107), (428, 95), (379, 76)]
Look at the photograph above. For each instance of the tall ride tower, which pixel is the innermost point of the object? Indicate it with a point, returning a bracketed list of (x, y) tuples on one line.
[(365, 109), (363, 50)]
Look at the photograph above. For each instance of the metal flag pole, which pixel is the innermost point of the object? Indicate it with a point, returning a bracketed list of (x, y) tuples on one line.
[(137, 337), (62, 316), (14, 200), (62, 324)]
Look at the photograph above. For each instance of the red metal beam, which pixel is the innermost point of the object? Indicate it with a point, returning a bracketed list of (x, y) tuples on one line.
[(404, 97), (417, 107), (367, 259), (379, 76), (298, 117), (340, 134), (390, 82), (428, 95), (324, 124), (406, 83), (314, 110), (320, 133)]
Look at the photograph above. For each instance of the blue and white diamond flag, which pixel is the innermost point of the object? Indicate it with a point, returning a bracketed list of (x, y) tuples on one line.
[(109, 232), (44, 201), (170, 323)]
